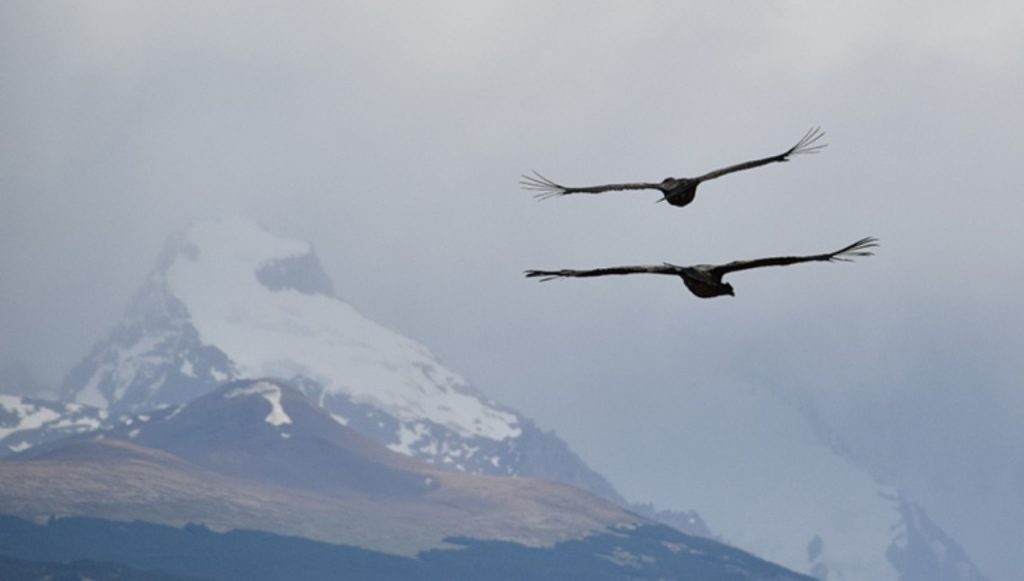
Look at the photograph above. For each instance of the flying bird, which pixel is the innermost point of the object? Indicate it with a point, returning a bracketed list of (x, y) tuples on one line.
[(705, 280), (675, 191)]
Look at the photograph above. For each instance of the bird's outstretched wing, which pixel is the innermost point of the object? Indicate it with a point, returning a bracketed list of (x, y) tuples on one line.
[(553, 274), (546, 188), (847, 254), (807, 144)]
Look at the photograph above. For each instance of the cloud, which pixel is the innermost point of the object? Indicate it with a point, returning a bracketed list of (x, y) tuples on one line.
[(392, 135)]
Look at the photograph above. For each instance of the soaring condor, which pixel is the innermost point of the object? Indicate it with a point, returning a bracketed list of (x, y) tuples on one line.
[(675, 191), (705, 280)]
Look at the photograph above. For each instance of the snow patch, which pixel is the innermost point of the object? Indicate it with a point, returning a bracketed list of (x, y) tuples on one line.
[(80, 424), (30, 416), (407, 436), (21, 447), (270, 392)]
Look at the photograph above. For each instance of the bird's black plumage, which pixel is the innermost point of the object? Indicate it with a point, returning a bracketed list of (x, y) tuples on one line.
[(705, 280), (675, 191)]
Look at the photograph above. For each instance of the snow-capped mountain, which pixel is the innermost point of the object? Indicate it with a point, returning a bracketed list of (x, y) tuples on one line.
[(26, 422), (257, 460), (228, 300)]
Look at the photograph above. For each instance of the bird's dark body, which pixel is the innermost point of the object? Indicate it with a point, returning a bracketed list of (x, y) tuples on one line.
[(702, 283), (679, 191)]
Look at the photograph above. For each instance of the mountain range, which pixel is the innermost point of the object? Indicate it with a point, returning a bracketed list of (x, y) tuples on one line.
[(229, 302), (257, 455)]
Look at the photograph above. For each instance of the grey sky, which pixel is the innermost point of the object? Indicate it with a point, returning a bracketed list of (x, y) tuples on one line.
[(391, 135)]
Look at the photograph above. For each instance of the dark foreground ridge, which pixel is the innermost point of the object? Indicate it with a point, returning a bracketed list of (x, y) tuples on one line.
[(149, 551)]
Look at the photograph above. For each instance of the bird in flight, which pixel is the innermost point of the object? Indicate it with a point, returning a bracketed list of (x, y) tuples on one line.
[(675, 191), (705, 280)]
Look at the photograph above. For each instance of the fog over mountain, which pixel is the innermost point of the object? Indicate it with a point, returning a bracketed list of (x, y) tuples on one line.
[(391, 138), (228, 301)]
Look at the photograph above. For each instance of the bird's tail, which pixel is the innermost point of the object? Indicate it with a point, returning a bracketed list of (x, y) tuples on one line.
[(808, 143), (857, 249), (543, 187), (544, 275)]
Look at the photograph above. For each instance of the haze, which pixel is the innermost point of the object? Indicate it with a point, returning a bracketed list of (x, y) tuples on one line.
[(392, 135)]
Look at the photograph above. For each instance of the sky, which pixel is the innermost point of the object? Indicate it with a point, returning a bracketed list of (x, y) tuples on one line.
[(392, 136)]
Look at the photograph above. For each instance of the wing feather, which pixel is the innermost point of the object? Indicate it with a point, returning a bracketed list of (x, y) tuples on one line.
[(547, 188), (846, 254), (614, 270), (807, 144)]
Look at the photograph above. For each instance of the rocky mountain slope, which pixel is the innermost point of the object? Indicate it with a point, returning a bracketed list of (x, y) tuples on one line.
[(258, 455)]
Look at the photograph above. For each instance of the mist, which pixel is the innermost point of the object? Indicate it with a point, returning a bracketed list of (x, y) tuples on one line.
[(392, 136)]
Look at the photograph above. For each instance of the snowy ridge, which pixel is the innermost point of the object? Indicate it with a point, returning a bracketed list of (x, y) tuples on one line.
[(127, 363), (287, 333), (27, 422), (153, 358), (29, 416)]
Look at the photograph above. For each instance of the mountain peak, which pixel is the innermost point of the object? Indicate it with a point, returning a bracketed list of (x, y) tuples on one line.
[(269, 329), (230, 301), (267, 306), (231, 251)]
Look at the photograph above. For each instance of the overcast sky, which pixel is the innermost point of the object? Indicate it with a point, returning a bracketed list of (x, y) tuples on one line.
[(391, 135)]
